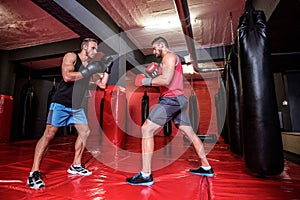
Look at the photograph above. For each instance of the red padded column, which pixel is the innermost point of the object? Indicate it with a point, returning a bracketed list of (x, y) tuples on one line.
[(6, 108), (114, 115), (95, 97)]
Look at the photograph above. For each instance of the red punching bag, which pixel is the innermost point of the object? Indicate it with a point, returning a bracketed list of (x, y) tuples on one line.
[(6, 108)]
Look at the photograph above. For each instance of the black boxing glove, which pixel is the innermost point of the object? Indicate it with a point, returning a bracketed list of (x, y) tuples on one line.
[(92, 68), (108, 63)]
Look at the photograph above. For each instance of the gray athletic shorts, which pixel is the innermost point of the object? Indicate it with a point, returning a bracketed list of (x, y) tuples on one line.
[(168, 108)]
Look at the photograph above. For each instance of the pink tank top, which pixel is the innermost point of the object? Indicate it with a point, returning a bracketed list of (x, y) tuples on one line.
[(175, 88)]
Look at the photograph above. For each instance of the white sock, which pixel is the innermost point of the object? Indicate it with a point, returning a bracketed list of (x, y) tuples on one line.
[(77, 165), (145, 175), (30, 173), (206, 168)]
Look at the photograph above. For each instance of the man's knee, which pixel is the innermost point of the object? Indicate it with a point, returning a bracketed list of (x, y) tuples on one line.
[(84, 132), (149, 128), (50, 132), (186, 130), (145, 129)]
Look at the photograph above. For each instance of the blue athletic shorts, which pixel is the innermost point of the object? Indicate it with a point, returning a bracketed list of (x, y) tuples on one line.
[(170, 108), (60, 115)]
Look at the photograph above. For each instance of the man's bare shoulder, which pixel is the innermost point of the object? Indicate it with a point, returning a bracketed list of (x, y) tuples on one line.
[(69, 58), (170, 57), (70, 55)]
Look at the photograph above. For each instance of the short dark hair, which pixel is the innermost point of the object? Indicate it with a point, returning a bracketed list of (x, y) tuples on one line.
[(87, 40), (160, 39)]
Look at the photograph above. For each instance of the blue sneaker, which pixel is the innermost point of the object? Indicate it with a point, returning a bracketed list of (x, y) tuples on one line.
[(140, 180), (203, 172)]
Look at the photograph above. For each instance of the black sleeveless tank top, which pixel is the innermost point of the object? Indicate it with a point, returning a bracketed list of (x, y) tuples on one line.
[(71, 94)]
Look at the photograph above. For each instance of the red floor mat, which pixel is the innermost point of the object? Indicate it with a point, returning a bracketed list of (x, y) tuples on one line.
[(108, 182)]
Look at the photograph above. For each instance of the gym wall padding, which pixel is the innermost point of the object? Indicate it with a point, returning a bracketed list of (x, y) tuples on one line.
[(263, 152), (6, 108)]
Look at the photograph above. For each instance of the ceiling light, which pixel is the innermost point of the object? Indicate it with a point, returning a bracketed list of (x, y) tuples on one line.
[(165, 23)]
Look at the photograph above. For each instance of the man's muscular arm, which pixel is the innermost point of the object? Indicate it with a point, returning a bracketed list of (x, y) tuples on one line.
[(168, 67), (68, 63), (101, 81)]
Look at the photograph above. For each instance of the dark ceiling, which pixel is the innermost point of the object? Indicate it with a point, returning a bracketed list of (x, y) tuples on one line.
[(37, 33)]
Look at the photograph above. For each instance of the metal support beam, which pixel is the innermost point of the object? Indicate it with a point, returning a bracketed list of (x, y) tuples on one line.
[(50, 50), (68, 20), (184, 16), (105, 32)]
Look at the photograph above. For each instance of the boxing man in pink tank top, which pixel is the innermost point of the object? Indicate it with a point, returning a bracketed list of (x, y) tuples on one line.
[(172, 106)]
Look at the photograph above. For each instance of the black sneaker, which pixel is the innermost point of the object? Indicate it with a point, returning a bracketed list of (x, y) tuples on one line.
[(140, 180), (203, 172), (82, 171), (34, 181)]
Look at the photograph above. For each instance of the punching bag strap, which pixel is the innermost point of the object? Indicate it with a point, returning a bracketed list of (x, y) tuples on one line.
[(231, 29), (249, 12), (248, 6)]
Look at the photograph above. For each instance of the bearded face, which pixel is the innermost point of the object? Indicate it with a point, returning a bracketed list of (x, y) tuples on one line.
[(91, 49), (157, 50)]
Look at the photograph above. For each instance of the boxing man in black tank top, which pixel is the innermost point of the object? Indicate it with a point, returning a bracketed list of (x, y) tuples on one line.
[(66, 106)]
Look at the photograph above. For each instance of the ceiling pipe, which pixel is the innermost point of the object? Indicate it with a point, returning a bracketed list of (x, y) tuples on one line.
[(184, 16)]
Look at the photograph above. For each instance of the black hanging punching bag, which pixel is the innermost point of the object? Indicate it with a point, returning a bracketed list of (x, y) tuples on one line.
[(220, 107), (145, 107), (233, 105), (25, 115), (50, 97), (168, 128), (193, 112), (226, 125), (263, 150), (222, 103), (101, 113), (222, 90), (217, 99)]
